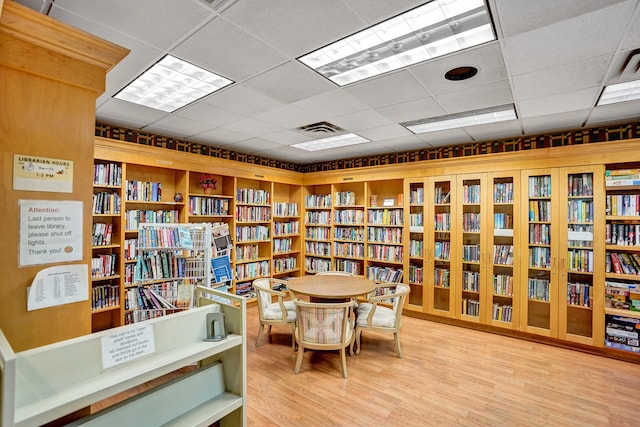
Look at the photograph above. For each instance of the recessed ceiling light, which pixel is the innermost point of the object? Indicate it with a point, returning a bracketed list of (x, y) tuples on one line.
[(171, 83), (434, 29), (331, 142), (460, 73), (620, 92), (458, 120)]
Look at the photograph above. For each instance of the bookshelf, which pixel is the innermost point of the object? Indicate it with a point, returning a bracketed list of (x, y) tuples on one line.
[(107, 264), (441, 255), (253, 234), (286, 239), (317, 228), (348, 227), (384, 244), (415, 229), (504, 245), (622, 246)]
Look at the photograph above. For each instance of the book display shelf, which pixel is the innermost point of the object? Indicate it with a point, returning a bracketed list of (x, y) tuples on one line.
[(415, 262), (285, 232), (317, 228)]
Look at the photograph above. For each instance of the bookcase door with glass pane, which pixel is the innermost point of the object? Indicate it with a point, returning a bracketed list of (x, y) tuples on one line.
[(539, 284), (503, 265), (471, 290), (414, 228), (582, 255), (441, 251)]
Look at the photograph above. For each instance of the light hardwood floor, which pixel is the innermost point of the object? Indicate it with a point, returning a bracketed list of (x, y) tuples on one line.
[(449, 376)]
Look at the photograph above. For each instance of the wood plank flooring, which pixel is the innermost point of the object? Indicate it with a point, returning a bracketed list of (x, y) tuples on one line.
[(449, 376)]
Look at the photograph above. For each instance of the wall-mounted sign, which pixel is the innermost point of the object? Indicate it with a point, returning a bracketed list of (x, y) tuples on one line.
[(50, 231), (33, 173), (62, 284)]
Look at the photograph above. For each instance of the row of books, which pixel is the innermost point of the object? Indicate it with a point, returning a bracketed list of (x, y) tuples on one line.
[(539, 210), (470, 307), (107, 174), (282, 245), (143, 191), (622, 234), (471, 281), (317, 201), (101, 234), (105, 296), (622, 204), (353, 267), (539, 186), (502, 312), (580, 294), (345, 198), (349, 216), (318, 233), (622, 263), (282, 265), (580, 260), (104, 265), (105, 203), (283, 209), (154, 265), (540, 234), (442, 221), (251, 233), (416, 274), (580, 211), (164, 237), (134, 217), (247, 253), (441, 277), (318, 248), (441, 195), (416, 248), (349, 233), (384, 274), (384, 235), (471, 253), (208, 206), (471, 193), (281, 228), (502, 221), (316, 265), (622, 177), (252, 270), (253, 213), (442, 250), (503, 192), (471, 222), (253, 196), (538, 289), (580, 184), (539, 257), (503, 285), (503, 254), (318, 218), (385, 217), (348, 250), (416, 196), (385, 253), (416, 219)]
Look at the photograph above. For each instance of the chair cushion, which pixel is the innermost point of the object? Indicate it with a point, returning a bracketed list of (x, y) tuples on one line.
[(383, 317), (273, 312)]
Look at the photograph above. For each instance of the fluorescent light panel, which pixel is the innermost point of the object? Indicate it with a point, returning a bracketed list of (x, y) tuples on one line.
[(170, 84), (459, 120), (428, 31), (620, 92), (331, 142)]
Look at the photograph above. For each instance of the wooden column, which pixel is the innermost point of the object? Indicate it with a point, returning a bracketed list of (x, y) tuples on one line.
[(50, 76)]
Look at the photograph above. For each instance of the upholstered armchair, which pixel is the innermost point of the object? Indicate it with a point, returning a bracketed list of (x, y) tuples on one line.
[(324, 326), (272, 308), (374, 316)]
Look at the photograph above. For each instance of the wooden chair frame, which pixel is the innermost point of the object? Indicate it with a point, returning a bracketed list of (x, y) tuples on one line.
[(258, 286)]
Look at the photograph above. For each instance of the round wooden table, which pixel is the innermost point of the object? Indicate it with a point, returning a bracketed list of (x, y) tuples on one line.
[(331, 287)]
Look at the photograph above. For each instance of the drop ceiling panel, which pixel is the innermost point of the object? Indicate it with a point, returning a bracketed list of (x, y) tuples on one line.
[(138, 116), (295, 27), (287, 116), (290, 82), (252, 127), (521, 16), (140, 19), (365, 119), (492, 131), (565, 78), (588, 35), (335, 102), (403, 143), (242, 100), (254, 145), (632, 38), (412, 110), (286, 137), (554, 122), (210, 114), (373, 12), (613, 113), (388, 89), (476, 97), (220, 137), (445, 137), (177, 127), (561, 103), (216, 46), (384, 132)]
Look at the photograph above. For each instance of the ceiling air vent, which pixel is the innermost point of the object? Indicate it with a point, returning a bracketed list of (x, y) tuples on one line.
[(320, 129)]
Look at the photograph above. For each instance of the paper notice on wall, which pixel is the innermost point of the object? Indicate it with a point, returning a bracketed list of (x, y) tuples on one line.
[(62, 284), (50, 231)]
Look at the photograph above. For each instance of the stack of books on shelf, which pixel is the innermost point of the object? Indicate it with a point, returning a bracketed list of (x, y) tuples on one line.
[(622, 295), (622, 177)]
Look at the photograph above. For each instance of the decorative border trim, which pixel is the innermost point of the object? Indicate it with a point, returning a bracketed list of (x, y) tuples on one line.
[(575, 137)]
